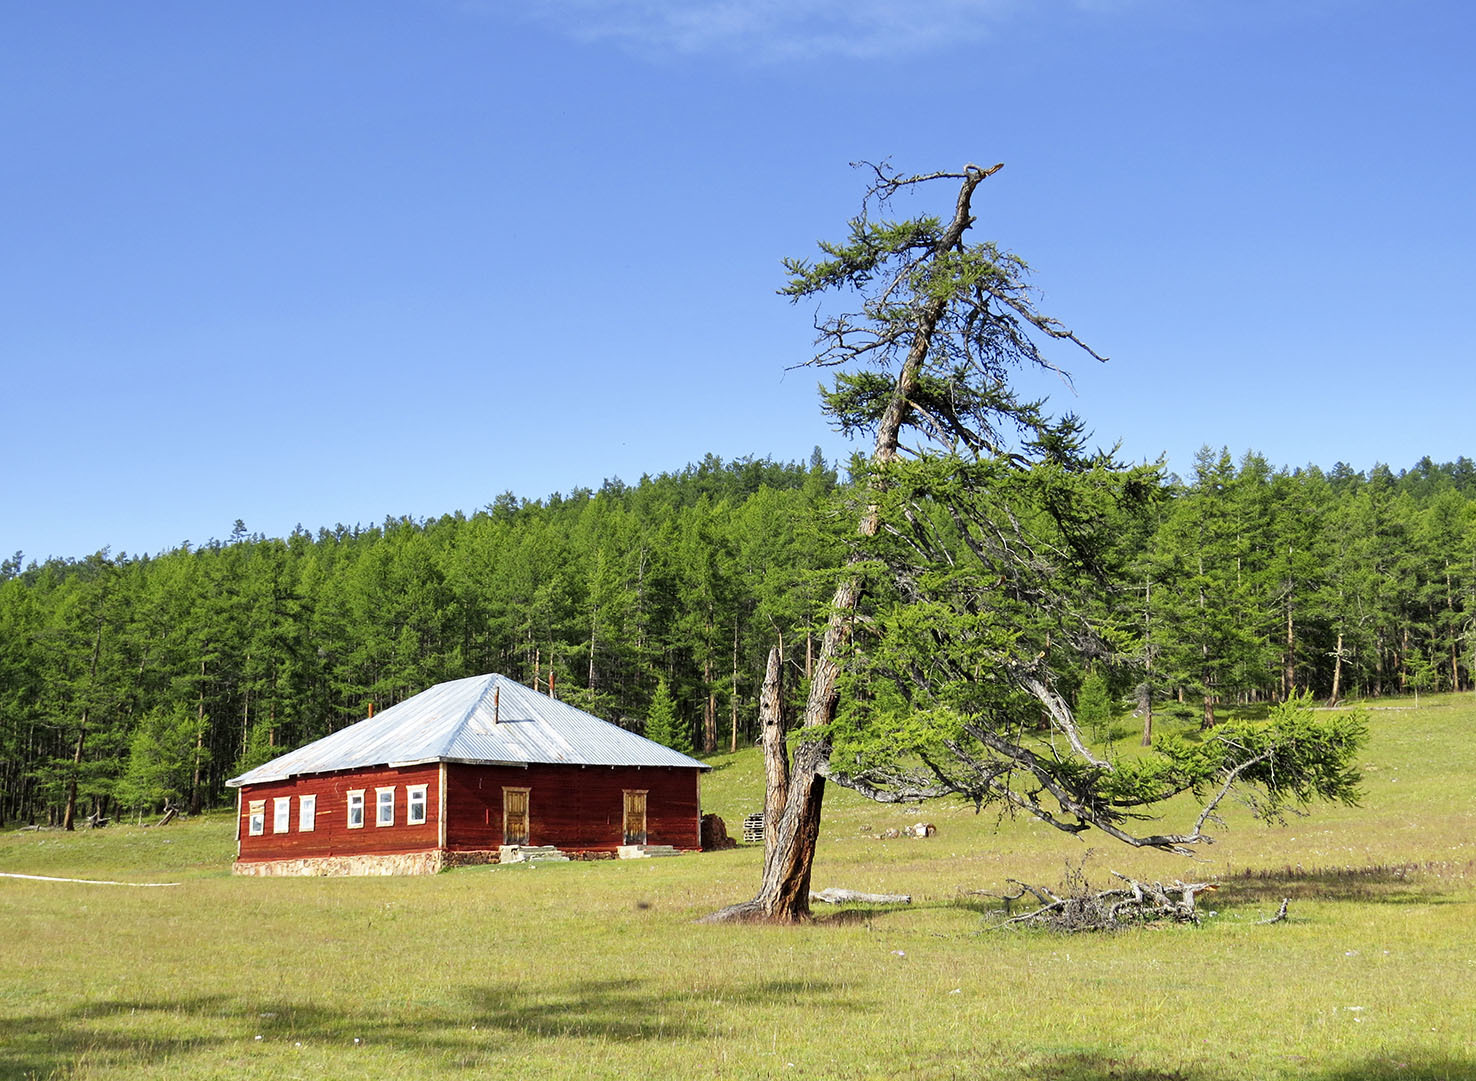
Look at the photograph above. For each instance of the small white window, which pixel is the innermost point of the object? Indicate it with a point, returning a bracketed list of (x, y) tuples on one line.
[(384, 807), (281, 814), (415, 805), (307, 813), (256, 817), (356, 809)]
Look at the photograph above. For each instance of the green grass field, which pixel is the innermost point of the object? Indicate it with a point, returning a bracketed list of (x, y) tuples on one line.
[(595, 970)]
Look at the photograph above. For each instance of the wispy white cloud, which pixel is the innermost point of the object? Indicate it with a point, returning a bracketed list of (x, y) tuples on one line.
[(778, 30)]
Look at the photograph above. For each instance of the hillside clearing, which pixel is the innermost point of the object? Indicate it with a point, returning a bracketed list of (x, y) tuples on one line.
[(598, 970)]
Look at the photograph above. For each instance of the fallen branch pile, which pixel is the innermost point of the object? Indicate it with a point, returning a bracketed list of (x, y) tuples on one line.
[(1078, 907)]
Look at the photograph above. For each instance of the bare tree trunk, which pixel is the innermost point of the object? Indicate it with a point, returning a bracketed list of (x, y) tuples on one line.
[(1337, 670), (69, 816), (1455, 657), (1289, 676), (246, 713), (196, 800), (733, 701), (590, 675), (784, 893), (776, 754), (1145, 701), (709, 711)]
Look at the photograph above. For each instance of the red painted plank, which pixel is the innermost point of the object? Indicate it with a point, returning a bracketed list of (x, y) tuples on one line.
[(572, 807), (576, 808), (330, 835)]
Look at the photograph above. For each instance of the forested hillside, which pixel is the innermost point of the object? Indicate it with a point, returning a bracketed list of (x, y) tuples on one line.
[(128, 681)]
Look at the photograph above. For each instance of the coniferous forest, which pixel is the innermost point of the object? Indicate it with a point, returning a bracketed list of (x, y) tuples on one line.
[(132, 682)]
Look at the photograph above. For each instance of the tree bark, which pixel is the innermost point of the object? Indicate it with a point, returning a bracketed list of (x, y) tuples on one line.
[(784, 893), (69, 816), (834, 895), (1455, 657), (196, 798), (733, 699), (709, 707), (1146, 701), (776, 754), (1289, 675), (1337, 670)]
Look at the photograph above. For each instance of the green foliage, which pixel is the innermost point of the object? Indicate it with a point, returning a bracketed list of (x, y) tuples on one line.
[(277, 642), (280, 641), (662, 723), (161, 758), (1295, 756), (1094, 706)]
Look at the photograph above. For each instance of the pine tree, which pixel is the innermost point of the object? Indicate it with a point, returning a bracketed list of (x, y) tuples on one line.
[(662, 724)]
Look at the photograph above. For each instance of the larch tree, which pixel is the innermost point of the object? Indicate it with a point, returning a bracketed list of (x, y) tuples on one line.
[(982, 525)]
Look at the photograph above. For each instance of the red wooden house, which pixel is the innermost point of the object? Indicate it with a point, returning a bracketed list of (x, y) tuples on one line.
[(469, 771)]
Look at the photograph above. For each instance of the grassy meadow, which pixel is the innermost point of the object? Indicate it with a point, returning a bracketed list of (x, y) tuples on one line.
[(598, 970)]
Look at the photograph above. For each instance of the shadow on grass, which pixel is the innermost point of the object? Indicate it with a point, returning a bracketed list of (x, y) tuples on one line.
[(1404, 883), (132, 1032), (1394, 884), (851, 915), (1413, 1066), (629, 1010), (178, 1031)]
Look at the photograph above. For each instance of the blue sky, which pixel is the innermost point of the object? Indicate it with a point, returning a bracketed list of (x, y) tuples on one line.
[(327, 262)]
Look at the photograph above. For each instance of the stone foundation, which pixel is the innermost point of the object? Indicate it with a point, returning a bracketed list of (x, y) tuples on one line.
[(402, 863)]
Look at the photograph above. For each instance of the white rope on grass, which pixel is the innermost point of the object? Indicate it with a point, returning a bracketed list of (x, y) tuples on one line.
[(85, 881)]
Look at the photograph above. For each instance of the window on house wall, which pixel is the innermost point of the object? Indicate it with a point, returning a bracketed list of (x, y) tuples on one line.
[(281, 814), (356, 809), (256, 817), (384, 807), (415, 805), (307, 813)]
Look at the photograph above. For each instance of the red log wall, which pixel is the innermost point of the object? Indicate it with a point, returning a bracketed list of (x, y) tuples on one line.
[(576, 808), (330, 835)]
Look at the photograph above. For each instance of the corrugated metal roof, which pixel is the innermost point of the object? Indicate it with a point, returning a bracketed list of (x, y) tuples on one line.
[(455, 722)]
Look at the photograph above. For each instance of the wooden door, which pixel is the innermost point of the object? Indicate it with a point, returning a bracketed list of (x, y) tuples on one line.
[(515, 816), (635, 817)]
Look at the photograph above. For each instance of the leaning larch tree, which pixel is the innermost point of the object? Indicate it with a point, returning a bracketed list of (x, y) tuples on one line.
[(984, 541)]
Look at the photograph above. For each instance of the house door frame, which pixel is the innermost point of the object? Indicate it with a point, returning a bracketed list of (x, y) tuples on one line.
[(633, 820), (515, 816)]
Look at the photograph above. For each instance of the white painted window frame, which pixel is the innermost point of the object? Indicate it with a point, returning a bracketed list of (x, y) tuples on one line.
[(356, 803), (256, 817), (281, 814), (416, 804), (307, 813), (381, 818)]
